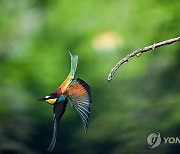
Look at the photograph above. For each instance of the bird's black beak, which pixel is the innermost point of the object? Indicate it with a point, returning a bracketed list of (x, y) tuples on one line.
[(42, 99)]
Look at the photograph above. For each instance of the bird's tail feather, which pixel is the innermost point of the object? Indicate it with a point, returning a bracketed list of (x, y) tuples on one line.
[(74, 61), (53, 141)]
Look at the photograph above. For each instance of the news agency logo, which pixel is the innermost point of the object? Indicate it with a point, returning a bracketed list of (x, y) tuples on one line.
[(155, 139)]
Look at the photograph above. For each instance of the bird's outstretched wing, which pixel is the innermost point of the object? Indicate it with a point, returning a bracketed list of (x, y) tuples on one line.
[(58, 109), (79, 95), (70, 77)]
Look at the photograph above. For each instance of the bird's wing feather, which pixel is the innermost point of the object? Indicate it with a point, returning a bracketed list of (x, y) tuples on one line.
[(79, 95), (74, 61), (70, 77), (58, 109)]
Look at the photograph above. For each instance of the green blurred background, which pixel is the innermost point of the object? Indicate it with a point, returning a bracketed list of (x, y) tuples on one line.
[(144, 96)]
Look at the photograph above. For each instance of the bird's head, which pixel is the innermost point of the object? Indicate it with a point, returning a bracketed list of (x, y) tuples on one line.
[(51, 98)]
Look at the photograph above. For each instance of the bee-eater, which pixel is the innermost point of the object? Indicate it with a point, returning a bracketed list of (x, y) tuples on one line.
[(75, 91)]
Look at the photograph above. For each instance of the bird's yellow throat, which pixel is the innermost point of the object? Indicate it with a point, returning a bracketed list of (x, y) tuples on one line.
[(51, 101)]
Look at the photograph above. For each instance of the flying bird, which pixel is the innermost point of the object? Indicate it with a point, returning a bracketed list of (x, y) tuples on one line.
[(75, 91)]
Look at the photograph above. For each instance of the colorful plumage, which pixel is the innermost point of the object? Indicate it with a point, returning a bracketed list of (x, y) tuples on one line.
[(75, 91)]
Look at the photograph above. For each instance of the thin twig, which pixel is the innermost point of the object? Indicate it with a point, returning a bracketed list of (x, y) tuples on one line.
[(138, 52)]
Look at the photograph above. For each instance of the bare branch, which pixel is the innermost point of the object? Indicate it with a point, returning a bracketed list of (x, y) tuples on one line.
[(138, 52)]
